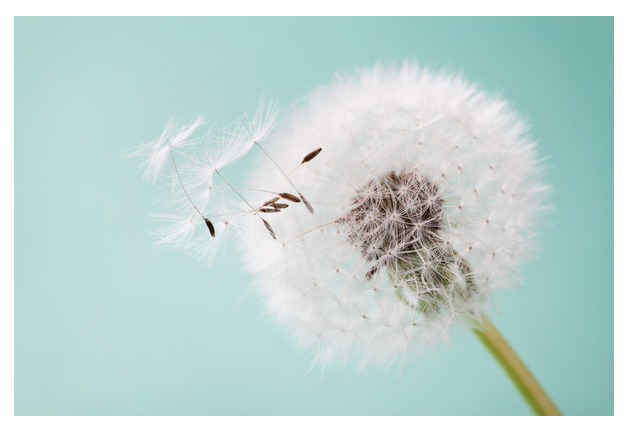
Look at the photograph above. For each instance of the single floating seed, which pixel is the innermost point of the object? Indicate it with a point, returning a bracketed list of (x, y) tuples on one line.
[(269, 228), (212, 230), (269, 210), (306, 203), (290, 197), (279, 205), (311, 155), (270, 201)]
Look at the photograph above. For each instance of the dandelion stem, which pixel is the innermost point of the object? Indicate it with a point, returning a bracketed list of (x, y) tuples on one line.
[(527, 385)]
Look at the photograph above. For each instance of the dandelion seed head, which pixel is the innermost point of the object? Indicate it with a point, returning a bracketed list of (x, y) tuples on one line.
[(380, 213), (412, 217)]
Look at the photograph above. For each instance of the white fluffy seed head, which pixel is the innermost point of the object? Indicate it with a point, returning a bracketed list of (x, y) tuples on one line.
[(426, 196)]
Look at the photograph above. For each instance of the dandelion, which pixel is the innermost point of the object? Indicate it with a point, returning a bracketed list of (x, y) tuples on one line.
[(427, 193), (392, 205)]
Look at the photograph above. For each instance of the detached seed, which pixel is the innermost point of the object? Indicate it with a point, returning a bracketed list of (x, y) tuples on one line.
[(269, 228), (311, 155), (306, 203), (280, 205), (212, 230), (290, 197), (270, 201)]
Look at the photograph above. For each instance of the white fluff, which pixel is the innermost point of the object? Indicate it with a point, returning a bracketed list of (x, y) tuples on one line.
[(425, 198), (155, 154), (468, 145), (198, 194)]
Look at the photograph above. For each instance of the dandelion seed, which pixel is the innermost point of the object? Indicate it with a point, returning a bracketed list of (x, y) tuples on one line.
[(280, 205), (290, 197), (270, 201), (212, 229), (265, 223), (311, 155)]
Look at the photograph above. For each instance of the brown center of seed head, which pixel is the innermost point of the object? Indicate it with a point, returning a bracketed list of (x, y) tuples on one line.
[(397, 221), (395, 216)]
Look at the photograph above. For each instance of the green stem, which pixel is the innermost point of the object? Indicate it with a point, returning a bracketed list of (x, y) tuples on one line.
[(515, 369)]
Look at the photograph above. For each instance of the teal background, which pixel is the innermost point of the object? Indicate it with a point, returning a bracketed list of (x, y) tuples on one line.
[(105, 324)]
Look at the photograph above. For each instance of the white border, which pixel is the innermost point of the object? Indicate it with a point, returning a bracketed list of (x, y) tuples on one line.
[(316, 8)]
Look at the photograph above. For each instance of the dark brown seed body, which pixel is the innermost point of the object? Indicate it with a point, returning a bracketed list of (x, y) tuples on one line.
[(270, 201), (212, 230), (290, 197), (269, 210), (269, 228), (280, 205), (306, 203), (311, 155)]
